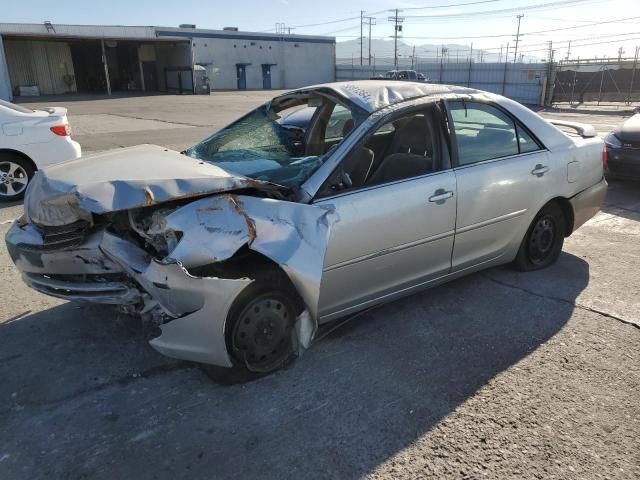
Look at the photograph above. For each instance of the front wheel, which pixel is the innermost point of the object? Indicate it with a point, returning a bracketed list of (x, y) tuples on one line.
[(260, 333), (543, 242), (15, 174)]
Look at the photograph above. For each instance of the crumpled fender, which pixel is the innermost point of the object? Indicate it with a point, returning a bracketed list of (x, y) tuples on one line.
[(201, 304), (293, 235)]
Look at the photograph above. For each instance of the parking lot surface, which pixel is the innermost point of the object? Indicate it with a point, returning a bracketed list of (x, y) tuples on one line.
[(497, 375)]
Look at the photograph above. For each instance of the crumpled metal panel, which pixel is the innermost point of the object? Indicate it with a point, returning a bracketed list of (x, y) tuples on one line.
[(83, 259), (372, 95), (293, 235), (201, 304), (146, 175)]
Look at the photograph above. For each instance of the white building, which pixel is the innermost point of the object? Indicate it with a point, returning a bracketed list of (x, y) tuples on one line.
[(56, 59)]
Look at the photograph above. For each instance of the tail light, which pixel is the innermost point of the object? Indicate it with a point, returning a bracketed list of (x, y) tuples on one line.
[(605, 157), (62, 130)]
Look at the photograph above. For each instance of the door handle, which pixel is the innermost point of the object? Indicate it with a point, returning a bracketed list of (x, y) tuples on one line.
[(441, 195), (540, 170)]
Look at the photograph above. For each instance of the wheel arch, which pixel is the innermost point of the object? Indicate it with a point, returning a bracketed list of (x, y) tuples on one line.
[(20, 154), (567, 210), (245, 263)]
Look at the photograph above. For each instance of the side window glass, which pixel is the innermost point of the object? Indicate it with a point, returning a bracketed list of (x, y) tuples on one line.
[(399, 149), (339, 125), (483, 132), (527, 143)]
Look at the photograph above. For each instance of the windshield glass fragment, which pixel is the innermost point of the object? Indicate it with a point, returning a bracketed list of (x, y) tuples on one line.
[(282, 143)]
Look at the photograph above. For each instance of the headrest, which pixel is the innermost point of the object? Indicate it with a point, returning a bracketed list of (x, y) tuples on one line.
[(414, 136), (347, 127)]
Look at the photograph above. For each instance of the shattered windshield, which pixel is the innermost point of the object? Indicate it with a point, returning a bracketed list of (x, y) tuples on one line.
[(283, 147)]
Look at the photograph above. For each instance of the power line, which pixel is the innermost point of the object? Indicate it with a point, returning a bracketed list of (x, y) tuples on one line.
[(507, 10), (590, 44), (509, 34), (329, 22), (451, 5), (586, 38)]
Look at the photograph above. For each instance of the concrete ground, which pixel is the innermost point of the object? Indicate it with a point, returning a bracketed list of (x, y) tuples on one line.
[(497, 375)]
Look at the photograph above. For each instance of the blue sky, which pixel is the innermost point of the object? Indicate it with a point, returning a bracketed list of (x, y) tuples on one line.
[(421, 20)]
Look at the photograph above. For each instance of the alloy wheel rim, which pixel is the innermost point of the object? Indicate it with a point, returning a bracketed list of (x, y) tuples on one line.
[(13, 179), (262, 335), (542, 239)]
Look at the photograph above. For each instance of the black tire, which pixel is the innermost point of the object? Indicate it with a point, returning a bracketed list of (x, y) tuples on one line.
[(260, 331), (542, 244), (15, 174)]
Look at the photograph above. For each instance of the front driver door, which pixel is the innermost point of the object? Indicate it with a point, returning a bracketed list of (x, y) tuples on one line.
[(389, 238)]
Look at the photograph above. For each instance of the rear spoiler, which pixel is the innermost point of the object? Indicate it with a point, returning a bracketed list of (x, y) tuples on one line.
[(582, 129)]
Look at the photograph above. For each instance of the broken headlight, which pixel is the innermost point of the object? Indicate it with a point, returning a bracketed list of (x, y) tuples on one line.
[(152, 227)]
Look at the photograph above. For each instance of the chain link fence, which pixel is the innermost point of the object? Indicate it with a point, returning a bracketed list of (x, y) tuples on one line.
[(523, 82), (597, 81)]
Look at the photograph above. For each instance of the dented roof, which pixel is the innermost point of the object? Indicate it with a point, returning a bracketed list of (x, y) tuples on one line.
[(372, 95)]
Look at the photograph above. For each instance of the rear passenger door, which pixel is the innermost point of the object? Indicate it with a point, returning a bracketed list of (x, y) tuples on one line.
[(502, 173)]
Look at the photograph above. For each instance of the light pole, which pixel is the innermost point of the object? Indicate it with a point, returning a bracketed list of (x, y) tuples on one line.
[(515, 53)]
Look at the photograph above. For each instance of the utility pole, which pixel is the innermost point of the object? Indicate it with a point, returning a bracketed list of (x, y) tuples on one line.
[(569, 50), (515, 54), (620, 52), (397, 27), (470, 60), (500, 57), (504, 74), (633, 74), (369, 21), (361, 40)]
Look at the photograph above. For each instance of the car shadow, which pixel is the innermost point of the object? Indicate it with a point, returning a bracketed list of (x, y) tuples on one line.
[(623, 199), (360, 395), (4, 205)]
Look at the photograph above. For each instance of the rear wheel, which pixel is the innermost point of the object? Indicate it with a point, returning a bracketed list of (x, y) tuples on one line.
[(15, 174), (543, 242), (260, 331)]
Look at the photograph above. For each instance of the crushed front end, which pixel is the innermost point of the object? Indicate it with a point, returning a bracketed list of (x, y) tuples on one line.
[(167, 262)]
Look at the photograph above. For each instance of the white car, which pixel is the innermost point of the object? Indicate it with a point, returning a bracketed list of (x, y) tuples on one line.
[(29, 141)]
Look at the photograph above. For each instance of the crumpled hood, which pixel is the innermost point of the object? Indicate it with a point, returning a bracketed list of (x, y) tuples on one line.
[(120, 180)]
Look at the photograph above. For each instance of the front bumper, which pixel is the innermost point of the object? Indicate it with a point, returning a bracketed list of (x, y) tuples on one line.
[(588, 202), (109, 270)]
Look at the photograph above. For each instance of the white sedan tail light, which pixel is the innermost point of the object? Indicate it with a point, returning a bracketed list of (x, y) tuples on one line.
[(62, 130)]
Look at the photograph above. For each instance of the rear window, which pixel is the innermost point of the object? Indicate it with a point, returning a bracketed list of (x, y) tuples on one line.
[(13, 106)]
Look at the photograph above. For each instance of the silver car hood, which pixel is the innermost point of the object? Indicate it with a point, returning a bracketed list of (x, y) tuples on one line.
[(123, 179)]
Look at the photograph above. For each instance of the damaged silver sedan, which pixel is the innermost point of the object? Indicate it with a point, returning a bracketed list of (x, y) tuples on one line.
[(321, 203)]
